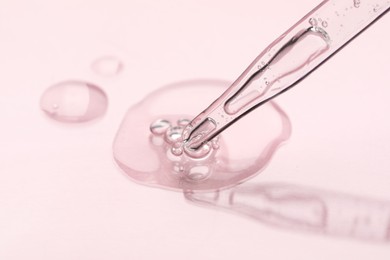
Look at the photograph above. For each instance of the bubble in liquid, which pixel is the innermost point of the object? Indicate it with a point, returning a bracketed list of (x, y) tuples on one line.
[(177, 147), (214, 143), (313, 21), (183, 122), (177, 151), (166, 161), (74, 102), (173, 134), (198, 173), (201, 152), (160, 126), (324, 24), (107, 66), (356, 3)]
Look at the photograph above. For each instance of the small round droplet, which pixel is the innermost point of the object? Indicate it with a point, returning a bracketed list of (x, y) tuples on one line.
[(324, 24), (160, 126), (356, 3), (313, 21), (107, 66), (74, 102)]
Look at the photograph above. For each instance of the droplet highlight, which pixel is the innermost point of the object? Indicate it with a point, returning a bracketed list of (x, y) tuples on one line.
[(74, 102)]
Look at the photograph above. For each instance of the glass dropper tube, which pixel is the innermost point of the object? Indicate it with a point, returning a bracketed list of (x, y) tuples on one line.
[(290, 58)]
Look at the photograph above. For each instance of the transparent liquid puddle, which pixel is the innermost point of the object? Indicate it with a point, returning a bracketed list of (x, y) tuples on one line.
[(147, 145), (74, 102)]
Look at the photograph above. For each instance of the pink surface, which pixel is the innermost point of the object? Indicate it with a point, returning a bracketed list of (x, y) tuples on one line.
[(63, 197)]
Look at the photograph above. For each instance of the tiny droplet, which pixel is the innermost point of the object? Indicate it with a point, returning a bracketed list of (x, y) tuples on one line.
[(107, 66)]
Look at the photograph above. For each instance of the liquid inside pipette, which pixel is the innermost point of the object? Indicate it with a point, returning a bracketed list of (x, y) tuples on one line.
[(284, 63), (188, 157)]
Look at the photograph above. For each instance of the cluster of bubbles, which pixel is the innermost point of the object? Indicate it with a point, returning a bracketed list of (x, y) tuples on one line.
[(314, 22), (356, 3), (193, 164)]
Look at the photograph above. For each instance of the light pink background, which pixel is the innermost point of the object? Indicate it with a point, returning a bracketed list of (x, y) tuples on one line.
[(61, 195)]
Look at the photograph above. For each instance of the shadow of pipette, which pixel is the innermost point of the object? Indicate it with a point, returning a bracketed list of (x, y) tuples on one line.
[(303, 209)]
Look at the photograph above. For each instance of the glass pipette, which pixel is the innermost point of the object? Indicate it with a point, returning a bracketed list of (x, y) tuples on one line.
[(290, 58)]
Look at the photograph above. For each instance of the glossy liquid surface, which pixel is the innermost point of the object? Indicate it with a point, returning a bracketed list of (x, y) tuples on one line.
[(144, 145)]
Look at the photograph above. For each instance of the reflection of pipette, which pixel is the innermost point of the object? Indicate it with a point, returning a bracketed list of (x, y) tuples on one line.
[(291, 57), (301, 208)]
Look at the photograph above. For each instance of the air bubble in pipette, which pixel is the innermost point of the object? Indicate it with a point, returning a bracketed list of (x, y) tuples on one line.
[(313, 21)]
